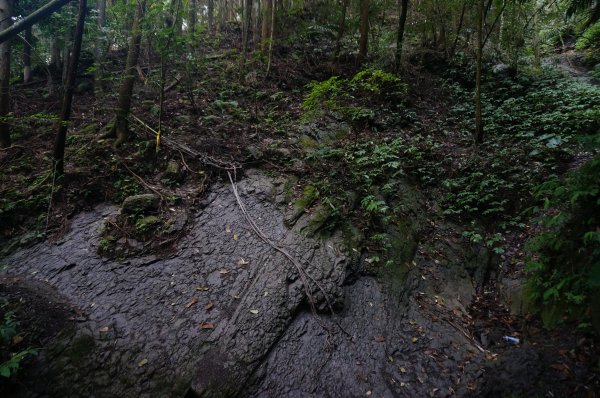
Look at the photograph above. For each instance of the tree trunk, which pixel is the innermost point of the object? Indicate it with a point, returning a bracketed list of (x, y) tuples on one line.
[(98, 73), (341, 28), (193, 18), (121, 127), (256, 22), (403, 4), (222, 14), (458, 29), (211, 16), (27, 55), (246, 28), (266, 16), (66, 56), (478, 111), (364, 31), (65, 112), (31, 19), (272, 31), (55, 55), (5, 23)]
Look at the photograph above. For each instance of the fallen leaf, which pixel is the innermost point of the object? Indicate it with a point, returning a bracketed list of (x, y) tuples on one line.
[(104, 329), (228, 230), (254, 312), (17, 339), (235, 237), (223, 272), (243, 261), (194, 301), (207, 325), (142, 362), (379, 339), (414, 339), (202, 289), (208, 306), (402, 370)]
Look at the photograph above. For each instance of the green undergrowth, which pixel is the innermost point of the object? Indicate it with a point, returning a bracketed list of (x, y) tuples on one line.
[(564, 261), (372, 183), (370, 97), (536, 124)]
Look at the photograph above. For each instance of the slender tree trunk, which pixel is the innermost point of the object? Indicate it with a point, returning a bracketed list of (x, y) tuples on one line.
[(246, 28), (364, 31), (403, 4), (65, 113), (458, 29), (5, 23), (66, 55), (222, 14), (478, 111), (266, 14), (27, 55), (55, 55), (193, 18), (272, 31), (211, 16), (121, 127), (256, 22), (101, 21), (341, 29)]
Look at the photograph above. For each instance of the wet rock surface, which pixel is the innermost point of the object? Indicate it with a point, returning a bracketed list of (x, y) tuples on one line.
[(148, 321), (229, 316)]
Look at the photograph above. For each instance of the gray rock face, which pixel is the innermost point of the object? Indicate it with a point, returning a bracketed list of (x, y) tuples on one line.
[(144, 203), (228, 316)]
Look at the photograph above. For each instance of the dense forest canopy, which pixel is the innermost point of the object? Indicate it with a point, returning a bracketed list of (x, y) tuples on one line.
[(394, 123)]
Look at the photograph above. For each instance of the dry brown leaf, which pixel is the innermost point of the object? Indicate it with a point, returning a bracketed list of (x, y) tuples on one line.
[(207, 325), (202, 289), (192, 302), (17, 339), (209, 306), (104, 329)]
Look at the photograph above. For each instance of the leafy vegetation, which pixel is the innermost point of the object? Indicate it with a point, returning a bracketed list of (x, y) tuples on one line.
[(10, 355), (565, 256)]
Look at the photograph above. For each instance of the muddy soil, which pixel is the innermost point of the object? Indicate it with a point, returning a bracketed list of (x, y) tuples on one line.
[(228, 315)]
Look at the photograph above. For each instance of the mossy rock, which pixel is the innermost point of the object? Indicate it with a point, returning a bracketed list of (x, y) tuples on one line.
[(143, 203), (310, 194), (146, 224)]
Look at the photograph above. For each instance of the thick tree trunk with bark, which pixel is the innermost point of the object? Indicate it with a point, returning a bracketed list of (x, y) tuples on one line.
[(120, 130), (65, 112), (6, 22), (364, 31), (403, 4), (478, 111), (27, 55)]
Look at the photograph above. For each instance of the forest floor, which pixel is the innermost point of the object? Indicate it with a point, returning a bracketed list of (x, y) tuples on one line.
[(189, 295)]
